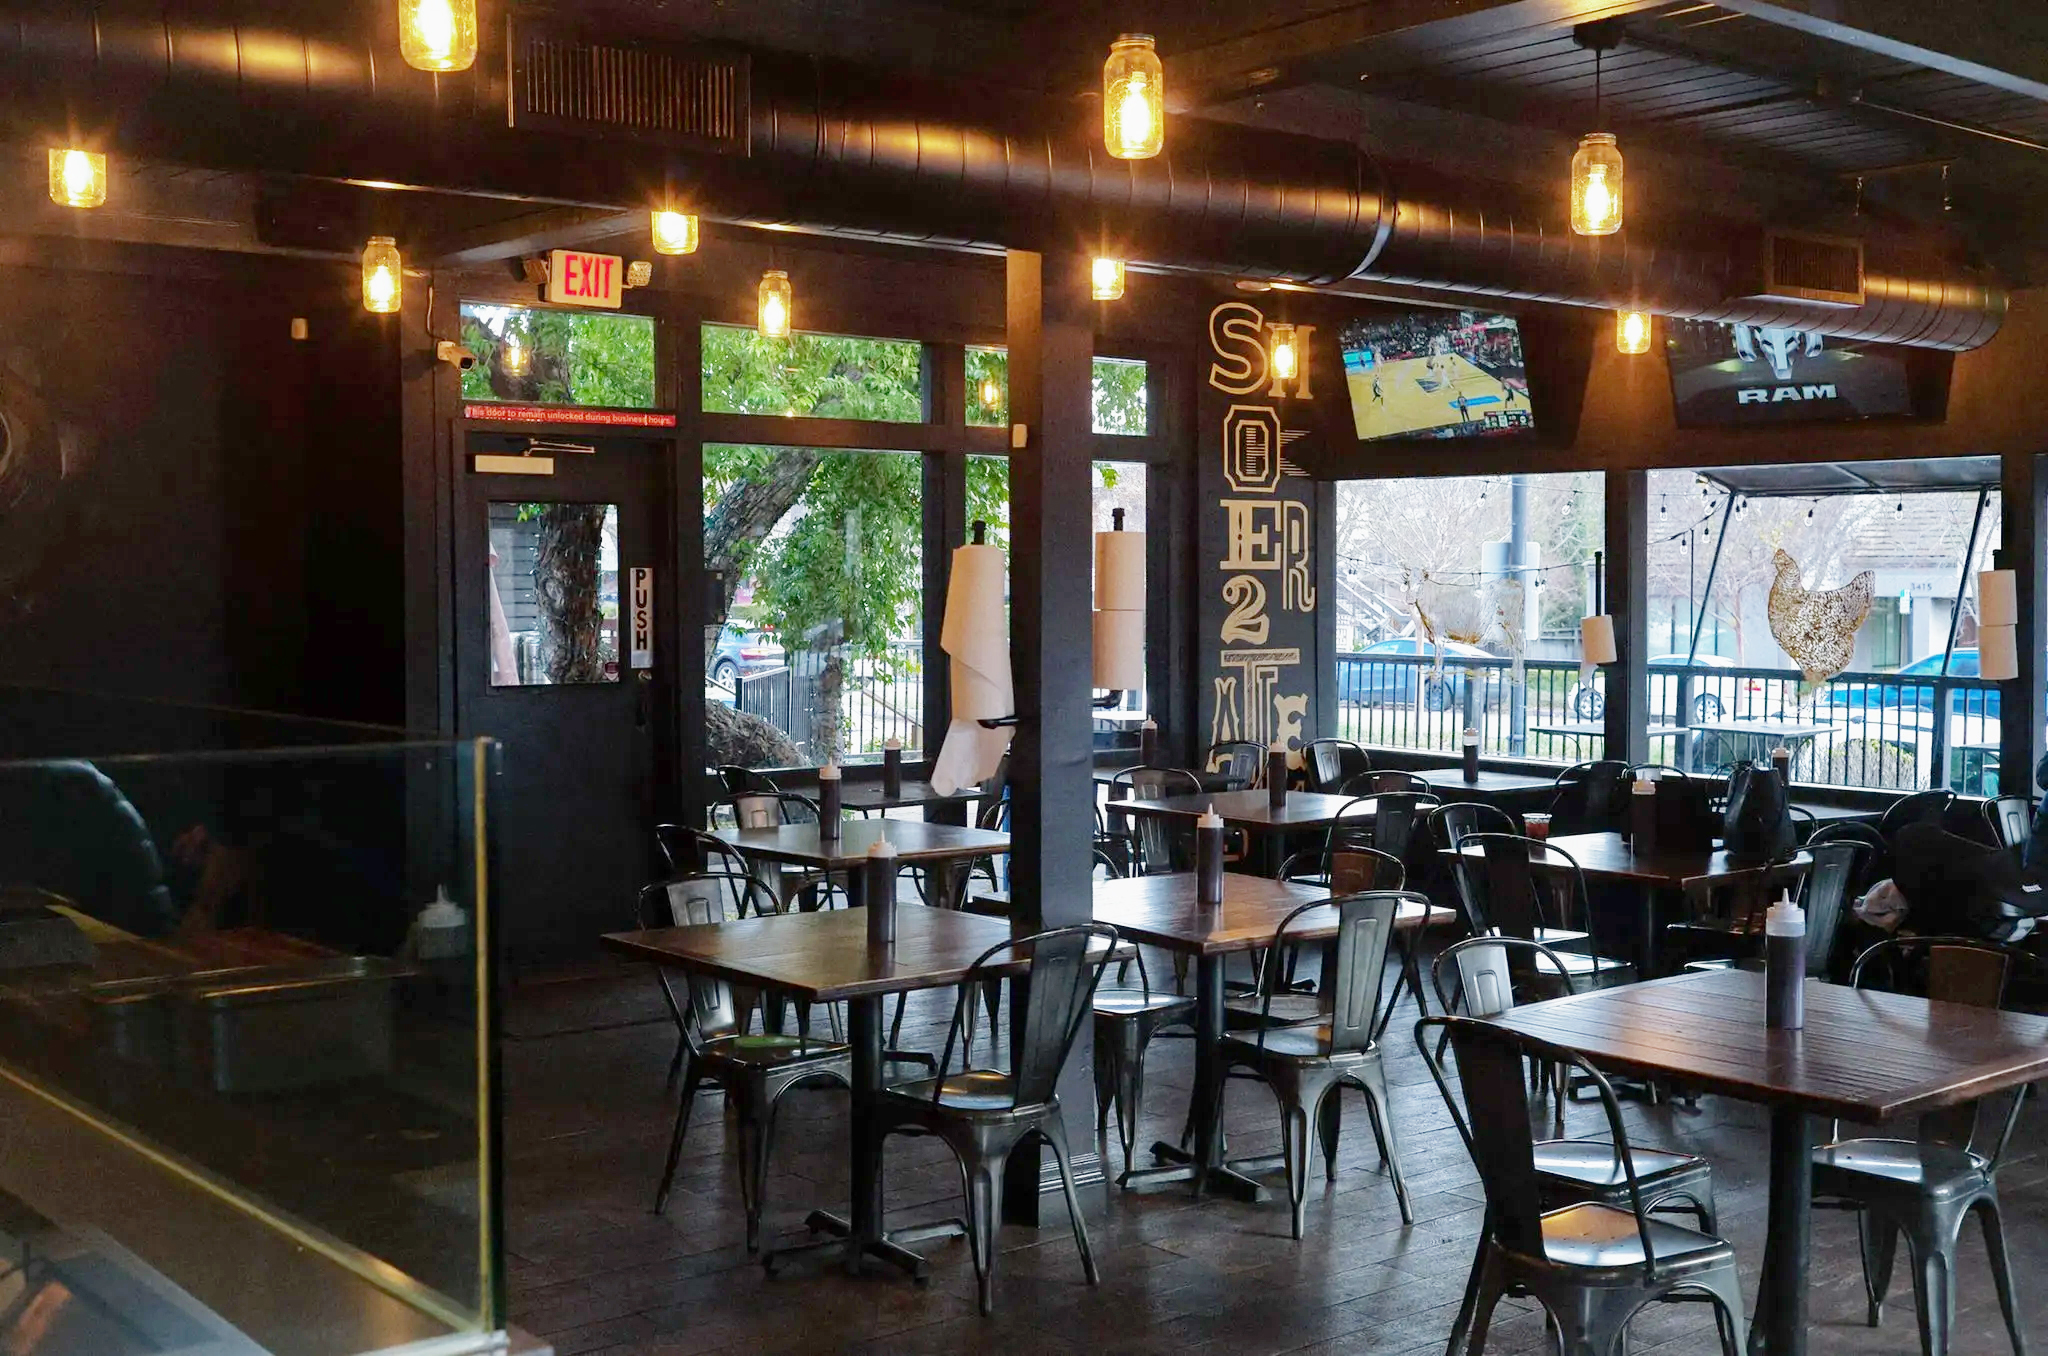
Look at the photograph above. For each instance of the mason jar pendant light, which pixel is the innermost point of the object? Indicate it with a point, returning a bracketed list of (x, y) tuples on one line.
[(513, 358), (383, 279), (1107, 279), (991, 393), (1133, 99), (1632, 332), (773, 316), (1596, 167), (1286, 357), (675, 232), (77, 178), (437, 35)]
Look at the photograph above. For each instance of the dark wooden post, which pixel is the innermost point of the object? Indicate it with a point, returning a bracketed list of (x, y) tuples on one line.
[(2024, 492), (1051, 342), (1628, 601), (945, 527)]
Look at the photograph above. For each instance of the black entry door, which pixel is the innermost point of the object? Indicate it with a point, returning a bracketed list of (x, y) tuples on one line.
[(550, 661)]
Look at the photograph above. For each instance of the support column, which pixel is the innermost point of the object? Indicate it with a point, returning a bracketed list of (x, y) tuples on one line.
[(2022, 550), (1628, 601), (1052, 789)]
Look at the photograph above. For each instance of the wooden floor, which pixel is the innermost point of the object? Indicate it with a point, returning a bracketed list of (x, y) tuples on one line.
[(593, 1270)]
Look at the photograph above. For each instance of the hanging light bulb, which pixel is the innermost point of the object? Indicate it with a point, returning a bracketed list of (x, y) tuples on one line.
[(775, 301), (1632, 332), (1133, 99), (1108, 277), (1286, 357), (513, 359), (383, 278), (675, 232), (1596, 185), (77, 178), (991, 393), (437, 35)]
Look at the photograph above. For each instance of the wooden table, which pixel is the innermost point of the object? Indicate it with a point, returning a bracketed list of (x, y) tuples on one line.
[(1593, 729), (1161, 911), (1863, 1056), (1450, 783), (1608, 856), (943, 847), (824, 957), (1753, 740), (871, 796)]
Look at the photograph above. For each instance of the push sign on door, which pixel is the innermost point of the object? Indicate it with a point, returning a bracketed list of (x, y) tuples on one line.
[(640, 601)]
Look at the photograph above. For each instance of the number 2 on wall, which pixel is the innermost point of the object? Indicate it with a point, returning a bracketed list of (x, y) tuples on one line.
[(1247, 622)]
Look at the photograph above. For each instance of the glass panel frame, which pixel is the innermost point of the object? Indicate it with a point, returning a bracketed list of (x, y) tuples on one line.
[(543, 355)]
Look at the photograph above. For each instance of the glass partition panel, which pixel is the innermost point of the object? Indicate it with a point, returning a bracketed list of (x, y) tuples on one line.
[(1443, 548), (821, 649), (1899, 708), (536, 356), (244, 1036)]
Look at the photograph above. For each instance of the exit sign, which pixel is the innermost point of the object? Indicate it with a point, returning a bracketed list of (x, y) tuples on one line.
[(579, 279)]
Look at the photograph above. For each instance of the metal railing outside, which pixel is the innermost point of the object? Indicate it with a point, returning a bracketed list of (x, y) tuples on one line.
[(1859, 729), (877, 700)]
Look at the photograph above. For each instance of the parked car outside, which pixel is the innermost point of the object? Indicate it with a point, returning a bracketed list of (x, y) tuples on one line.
[(1914, 688), (741, 653), (1391, 672), (1714, 695)]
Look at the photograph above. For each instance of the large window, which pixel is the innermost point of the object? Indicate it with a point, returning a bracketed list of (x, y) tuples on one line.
[(530, 355), (1119, 392), (1424, 568), (819, 554), (1904, 711), (826, 376)]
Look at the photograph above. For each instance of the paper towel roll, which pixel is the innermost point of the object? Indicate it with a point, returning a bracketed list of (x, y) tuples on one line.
[(976, 633), (1120, 650), (1120, 572), (1997, 598), (1998, 654), (1596, 640)]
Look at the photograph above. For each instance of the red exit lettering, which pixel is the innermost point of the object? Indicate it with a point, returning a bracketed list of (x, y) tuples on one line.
[(575, 278)]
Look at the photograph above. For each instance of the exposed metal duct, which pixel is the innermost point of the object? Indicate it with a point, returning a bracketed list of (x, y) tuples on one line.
[(848, 151)]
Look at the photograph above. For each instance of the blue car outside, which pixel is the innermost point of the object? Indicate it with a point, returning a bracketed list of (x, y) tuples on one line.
[(1361, 681), (1914, 688)]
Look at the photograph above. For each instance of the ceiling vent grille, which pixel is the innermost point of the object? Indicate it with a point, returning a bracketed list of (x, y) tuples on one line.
[(673, 94), (1816, 269)]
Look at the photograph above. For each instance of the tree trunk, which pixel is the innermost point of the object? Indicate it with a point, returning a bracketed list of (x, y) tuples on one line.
[(744, 516), (565, 580)]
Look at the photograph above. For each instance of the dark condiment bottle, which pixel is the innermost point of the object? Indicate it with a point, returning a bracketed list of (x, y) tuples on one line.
[(1209, 859), (829, 812), (878, 886), (1471, 743), (1642, 817), (1785, 966), (1276, 775), (892, 768), (1148, 744)]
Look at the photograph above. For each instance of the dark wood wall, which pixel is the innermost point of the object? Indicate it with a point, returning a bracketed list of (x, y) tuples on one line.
[(193, 505)]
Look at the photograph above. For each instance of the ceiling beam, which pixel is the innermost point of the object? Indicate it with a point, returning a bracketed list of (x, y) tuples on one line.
[(535, 232), (1990, 42), (1384, 34)]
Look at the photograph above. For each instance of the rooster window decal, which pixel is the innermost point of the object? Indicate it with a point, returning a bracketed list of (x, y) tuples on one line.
[(1817, 627)]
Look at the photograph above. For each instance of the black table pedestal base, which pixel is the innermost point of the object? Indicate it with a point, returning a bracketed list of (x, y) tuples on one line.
[(1225, 1179), (889, 1248)]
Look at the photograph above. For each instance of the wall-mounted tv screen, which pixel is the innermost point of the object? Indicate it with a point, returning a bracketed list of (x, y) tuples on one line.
[(1724, 375), (1436, 374)]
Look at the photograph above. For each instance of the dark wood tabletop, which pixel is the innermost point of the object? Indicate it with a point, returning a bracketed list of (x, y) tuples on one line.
[(1607, 856), (1161, 911), (1449, 781), (869, 795), (914, 841), (824, 956), (1250, 809), (1411, 914), (1862, 1056), (1838, 814)]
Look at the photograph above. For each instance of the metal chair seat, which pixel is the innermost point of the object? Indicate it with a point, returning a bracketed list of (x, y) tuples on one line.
[(982, 1092), (1131, 1002), (1593, 1163), (1596, 1238), (1582, 969), (771, 1049), (1249, 1012), (1937, 1171), (1302, 1044)]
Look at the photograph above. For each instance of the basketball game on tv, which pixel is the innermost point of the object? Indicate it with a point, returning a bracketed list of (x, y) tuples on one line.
[(1762, 374), (1436, 374)]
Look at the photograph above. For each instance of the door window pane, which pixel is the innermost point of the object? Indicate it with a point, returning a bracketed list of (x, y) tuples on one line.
[(823, 376), (554, 594), (537, 356), (821, 648)]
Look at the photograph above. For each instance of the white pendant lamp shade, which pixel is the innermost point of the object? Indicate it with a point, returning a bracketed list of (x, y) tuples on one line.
[(1119, 611), (1120, 571), (976, 637), (1998, 653), (1119, 651), (1997, 598)]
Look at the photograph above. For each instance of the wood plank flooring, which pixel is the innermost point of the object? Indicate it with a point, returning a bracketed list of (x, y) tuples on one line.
[(594, 1271)]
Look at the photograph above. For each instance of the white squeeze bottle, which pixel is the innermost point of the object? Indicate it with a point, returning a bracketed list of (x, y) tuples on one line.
[(1785, 965)]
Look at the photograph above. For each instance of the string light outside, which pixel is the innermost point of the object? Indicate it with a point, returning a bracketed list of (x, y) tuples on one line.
[(77, 178), (1133, 99), (1632, 332), (775, 298), (1107, 275), (383, 276), (675, 232), (437, 35)]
